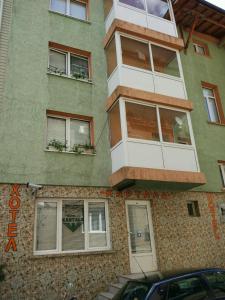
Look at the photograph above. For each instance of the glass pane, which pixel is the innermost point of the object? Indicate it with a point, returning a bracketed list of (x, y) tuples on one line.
[(59, 6), (141, 122), (73, 225), (135, 53), (46, 226), (97, 225), (79, 133), (78, 10), (79, 67), (165, 61), (159, 8), (139, 229), (56, 130), (186, 289), (115, 125), (217, 283), (213, 113), (57, 62), (107, 7), (111, 57), (174, 126), (199, 49), (208, 92), (140, 4)]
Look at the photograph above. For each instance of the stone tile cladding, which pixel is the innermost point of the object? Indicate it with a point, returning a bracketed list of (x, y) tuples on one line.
[(181, 242)]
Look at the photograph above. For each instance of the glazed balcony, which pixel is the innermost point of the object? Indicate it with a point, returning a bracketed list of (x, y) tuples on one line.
[(144, 65), (152, 142), (153, 14)]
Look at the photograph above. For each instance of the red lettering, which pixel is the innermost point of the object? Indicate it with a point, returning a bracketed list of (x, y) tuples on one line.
[(15, 190), (13, 215), (12, 227), (14, 202), (11, 244)]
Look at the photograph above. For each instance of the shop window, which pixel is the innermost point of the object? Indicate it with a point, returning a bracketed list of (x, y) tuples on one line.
[(135, 53), (193, 209), (174, 126), (74, 8), (140, 4), (222, 172), (111, 57), (68, 132), (115, 125), (69, 61), (108, 4), (141, 122), (201, 48), (213, 103), (159, 8), (165, 61), (71, 226)]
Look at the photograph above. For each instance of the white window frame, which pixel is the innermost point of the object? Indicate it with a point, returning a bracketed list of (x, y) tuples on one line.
[(208, 106), (68, 9), (68, 67), (67, 131), (197, 46), (222, 170), (58, 249)]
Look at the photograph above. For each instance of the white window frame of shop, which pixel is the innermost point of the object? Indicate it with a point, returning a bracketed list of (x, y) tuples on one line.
[(207, 103), (67, 9), (58, 250), (68, 146), (222, 172), (68, 64)]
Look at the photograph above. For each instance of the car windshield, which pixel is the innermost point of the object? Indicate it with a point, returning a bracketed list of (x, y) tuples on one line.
[(134, 290)]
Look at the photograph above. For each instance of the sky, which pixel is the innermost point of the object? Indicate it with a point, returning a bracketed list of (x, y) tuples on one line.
[(220, 3)]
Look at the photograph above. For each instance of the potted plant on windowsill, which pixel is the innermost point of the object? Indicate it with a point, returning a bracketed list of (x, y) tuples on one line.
[(56, 145), (83, 149)]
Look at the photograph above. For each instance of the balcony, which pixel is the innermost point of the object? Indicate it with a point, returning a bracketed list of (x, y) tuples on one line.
[(144, 65), (153, 14), (152, 142)]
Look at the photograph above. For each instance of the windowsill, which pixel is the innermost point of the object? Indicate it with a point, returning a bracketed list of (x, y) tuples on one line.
[(215, 123), (68, 16), (69, 77), (94, 252), (68, 152)]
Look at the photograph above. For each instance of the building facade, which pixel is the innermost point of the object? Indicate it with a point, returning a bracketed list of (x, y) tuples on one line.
[(112, 153)]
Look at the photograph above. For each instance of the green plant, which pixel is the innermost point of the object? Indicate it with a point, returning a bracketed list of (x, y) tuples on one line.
[(79, 149), (2, 275), (57, 145)]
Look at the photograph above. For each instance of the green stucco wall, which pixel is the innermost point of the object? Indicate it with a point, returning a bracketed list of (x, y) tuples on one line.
[(30, 91), (209, 138)]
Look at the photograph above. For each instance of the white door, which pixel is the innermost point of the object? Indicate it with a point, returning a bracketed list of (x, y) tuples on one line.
[(141, 239)]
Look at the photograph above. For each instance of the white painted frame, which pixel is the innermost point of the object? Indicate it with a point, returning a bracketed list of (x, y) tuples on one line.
[(67, 10), (207, 98), (152, 239), (67, 129), (222, 169), (58, 249)]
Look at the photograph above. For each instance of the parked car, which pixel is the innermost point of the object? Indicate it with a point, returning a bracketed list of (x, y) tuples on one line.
[(207, 284)]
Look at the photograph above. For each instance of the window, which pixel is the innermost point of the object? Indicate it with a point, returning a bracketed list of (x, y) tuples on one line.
[(69, 61), (68, 132), (108, 4), (185, 289), (211, 105), (159, 8), (222, 172), (216, 282), (74, 8), (200, 48), (137, 54), (193, 209), (111, 57), (71, 225), (115, 125), (143, 123), (221, 208)]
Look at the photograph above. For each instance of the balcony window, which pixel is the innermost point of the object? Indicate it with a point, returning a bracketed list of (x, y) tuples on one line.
[(74, 8), (165, 61), (114, 124), (135, 53), (159, 8), (108, 4), (174, 125), (140, 4), (141, 122), (111, 57), (71, 226)]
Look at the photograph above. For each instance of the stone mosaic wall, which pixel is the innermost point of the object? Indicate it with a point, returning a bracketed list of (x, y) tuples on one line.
[(181, 242)]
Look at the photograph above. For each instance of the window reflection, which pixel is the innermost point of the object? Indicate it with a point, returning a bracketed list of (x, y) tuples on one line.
[(159, 8), (140, 4)]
